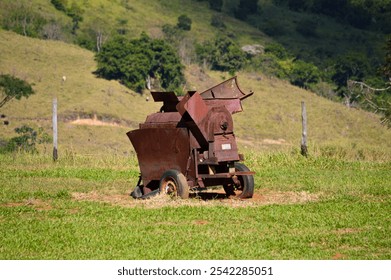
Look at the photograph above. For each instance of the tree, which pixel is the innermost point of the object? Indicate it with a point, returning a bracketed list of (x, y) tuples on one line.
[(304, 74), (21, 18), (184, 22), (27, 139), (353, 66), (245, 8), (13, 87), (132, 62), (218, 21), (59, 5), (223, 54), (74, 11), (387, 65), (372, 99), (216, 5)]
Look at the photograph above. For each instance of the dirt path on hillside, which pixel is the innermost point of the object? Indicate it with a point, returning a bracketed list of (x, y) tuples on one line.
[(94, 122)]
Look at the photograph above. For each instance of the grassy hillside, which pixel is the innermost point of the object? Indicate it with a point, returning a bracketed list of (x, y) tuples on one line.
[(271, 118)]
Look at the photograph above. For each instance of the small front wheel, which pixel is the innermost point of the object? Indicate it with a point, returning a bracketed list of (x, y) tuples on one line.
[(246, 188), (174, 183)]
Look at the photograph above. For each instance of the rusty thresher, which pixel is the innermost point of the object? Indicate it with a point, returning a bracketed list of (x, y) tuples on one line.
[(190, 144)]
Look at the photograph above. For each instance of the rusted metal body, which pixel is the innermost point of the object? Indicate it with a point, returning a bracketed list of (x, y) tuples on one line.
[(192, 136)]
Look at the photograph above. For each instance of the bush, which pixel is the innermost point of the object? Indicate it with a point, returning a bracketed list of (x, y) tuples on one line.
[(27, 140), (273, 28), (59, 5), (277, 50), (267, 64), (307, 28), (216, 5), (217, 21), (223, 54), (21, 18), (75, 12), (245, 8), (304, 74), (184, 22)]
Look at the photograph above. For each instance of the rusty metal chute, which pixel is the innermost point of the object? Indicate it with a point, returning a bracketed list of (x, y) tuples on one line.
[(190, 144)]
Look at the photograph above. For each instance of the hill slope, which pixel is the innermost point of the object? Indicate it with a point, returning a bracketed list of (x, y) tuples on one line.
[(271, 118)]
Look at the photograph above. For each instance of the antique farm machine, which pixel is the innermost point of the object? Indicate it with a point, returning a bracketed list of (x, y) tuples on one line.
[(190, 144)]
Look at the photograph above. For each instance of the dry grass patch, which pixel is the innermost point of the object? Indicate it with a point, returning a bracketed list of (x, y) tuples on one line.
[(37, 204), (208, 198)]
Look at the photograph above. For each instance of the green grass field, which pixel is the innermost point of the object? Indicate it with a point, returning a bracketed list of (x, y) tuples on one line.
[(79, 208)]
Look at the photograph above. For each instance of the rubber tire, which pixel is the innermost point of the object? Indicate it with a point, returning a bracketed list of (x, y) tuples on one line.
[(246, 181), (137, 192), (176, 181)]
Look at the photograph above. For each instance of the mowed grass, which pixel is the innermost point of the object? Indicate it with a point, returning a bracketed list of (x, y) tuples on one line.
[(79, 208)]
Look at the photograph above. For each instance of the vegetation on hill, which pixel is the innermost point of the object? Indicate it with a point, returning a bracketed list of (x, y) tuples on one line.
[(311, 50)]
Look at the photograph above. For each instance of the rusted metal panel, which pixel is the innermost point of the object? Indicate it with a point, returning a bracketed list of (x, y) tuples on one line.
[(227, 89), (169, 100), (227, 93), (158, 119), (225, 148), (160, 149)]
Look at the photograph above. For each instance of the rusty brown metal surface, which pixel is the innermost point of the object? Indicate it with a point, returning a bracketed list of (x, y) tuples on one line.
[(160, 149), (194, 135)]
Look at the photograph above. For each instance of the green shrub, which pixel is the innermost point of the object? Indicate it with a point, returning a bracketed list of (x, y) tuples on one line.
[(27, 140), (273, 28), (223, 54), (184, 22), (277, 50), (303, 74), (59, 5), (22, 19), (307, 28), (217, 21), (216, 5)]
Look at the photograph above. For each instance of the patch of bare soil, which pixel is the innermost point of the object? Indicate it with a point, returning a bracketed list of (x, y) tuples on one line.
[(208, 198), (339, 256), (265, 141), (279, 141), (94, 122), (342, 231), (35, 203)]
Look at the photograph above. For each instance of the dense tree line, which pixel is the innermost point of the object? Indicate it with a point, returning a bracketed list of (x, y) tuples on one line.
[(358, 13), (238, 8)]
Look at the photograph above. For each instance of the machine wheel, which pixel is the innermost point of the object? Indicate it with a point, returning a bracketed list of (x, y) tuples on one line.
[(246, 188), (174, 183)]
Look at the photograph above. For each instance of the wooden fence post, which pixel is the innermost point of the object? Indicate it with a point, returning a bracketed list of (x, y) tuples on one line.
[(55, 151), (304, 148)]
